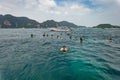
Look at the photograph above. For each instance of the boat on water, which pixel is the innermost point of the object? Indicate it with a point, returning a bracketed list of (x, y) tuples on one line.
[(60, 29)]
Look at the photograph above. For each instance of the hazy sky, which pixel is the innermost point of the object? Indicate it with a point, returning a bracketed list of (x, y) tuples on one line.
[(80, 12)]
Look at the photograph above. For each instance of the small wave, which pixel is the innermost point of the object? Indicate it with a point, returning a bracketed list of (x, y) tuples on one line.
[(46, 43)]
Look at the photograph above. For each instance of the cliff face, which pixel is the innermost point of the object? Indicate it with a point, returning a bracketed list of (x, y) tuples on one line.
[(9, 21)]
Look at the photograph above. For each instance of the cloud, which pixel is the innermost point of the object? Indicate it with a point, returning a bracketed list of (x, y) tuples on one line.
[(9, 7), (106, 3), (81, 12), (50, 6), (80, 9), (118, 1), (30, 3), (45, 5)]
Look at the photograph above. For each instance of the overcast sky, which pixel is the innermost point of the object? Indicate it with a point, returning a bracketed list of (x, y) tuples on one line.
[(80, 12)]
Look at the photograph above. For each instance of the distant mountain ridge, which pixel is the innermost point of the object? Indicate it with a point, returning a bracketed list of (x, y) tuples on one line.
[(52, 23), (10, 21), (106, 26)]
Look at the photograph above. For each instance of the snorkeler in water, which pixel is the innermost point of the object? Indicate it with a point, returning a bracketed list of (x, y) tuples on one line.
[(31, 35), (44, 35), (51, 34), (47, 35), (70, 37), (63, 48), (57, 36), (110, 39), (81, 39)]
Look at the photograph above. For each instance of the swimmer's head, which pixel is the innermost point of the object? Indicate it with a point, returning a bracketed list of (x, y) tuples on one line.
[(64, 46)]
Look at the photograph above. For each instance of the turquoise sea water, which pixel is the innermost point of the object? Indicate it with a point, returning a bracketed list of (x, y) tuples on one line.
[(40, 58)]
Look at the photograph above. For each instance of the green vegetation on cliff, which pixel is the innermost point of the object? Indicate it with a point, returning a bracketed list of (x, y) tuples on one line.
[(106, 26), (9, 21)]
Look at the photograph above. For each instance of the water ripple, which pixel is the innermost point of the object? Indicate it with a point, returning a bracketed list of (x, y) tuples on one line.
[(39, 58)]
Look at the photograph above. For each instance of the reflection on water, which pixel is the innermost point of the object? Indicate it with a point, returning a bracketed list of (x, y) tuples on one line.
[(40, 58)]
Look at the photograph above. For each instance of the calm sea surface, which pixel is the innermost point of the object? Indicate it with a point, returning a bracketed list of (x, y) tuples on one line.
[(40, 58)]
